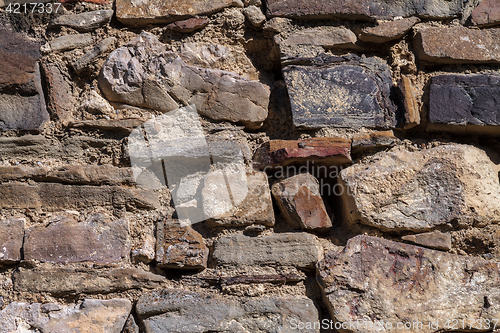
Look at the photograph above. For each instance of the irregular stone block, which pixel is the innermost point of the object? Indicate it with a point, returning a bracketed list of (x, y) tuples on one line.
[(412, 111), (59, 92), (64, 281), (89, 315), (366, 141), (159, 12), (435, 240), (253, 200), (388, 31), (126, 125), (486, 14), (51, 196), (219, 95), (69, 42), (364, 10), (287, 249), (94, 103), (101, 47), (22, 112), (11, 240), (181, 311), (328, 37), (376, 281), (255, 16), (341, 93), (455, 45), (65, 241), (465, 104), (420, 190), (189, 25), (180, 247), (322, 151), (84, 22), (300, 202)]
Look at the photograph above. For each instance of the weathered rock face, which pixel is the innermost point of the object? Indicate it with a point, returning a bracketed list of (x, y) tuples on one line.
[(288, 249), (458, 45), (388, 31), (66, 240), (171, 310), (465, 104), (322, 151), (255, 16), (402, 190), (366, 141), (144, 74), (91, 315), (341, 93), (366, 10), (157, 12), (189, 25), (11, 239), (379, 281), (411, 109), (86, 60), (60, 92), (84, 22), (435, 240), (180, 247), (486, 14), (300, 202)]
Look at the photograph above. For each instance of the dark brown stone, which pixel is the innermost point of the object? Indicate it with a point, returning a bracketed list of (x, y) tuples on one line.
[(486, 14), (465, 104), (366, 141), (65, 241), (60, 93), (11, 240), (458, 45), (364, 10), (189, 25), (329, 151), (388, 31), (180, 247)]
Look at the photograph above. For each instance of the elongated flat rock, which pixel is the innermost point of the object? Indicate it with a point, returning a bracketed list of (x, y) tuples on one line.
[(84, 22), (388, 31), (377, 281), (11, 240), (421, 190)]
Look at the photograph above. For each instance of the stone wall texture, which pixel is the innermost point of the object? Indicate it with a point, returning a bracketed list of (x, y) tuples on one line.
[(250, 166)]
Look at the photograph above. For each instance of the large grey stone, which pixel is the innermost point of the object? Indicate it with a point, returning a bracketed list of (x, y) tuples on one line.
[(374, 281), (143, 73), (89, 315), (341, 92), (288, 249), (421, 190), (84, 22), (68, 42), (181, 311)]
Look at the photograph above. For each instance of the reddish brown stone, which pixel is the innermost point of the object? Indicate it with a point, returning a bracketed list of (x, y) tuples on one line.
[(486, 14), (330, 151), (189, 25), (388, 31), (458, 45), (300, 202), (412, 112), (60, 97), (66, 241), (435, 240), (180, 247), (11, 240)]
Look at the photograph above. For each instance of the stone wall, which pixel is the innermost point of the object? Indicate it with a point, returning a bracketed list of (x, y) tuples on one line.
[(351, 176)]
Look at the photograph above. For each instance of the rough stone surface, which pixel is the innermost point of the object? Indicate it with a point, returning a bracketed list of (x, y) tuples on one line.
[(486, 14), (70, 281), (458, 45), (341, 93), (328, 151), (11, 240), (189, 25), (180, 247), (126, 125), (180, 311), (52, 196), (300, 202), (101, 47), (366, 141), (328, 37), (365, 10), (160, 81), (435, 240), (65, 240), (465, 104), (377, 280), (388, 31), (89, 315), (411, 108), (288, 249), (69, 42), (94, 103), (60, 92), (255, 206), (401, 190), (23, 112), (254, 15), (84, 22), (158, 12)]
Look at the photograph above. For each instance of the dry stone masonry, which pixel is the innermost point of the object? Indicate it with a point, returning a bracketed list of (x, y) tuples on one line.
[(230, 166)]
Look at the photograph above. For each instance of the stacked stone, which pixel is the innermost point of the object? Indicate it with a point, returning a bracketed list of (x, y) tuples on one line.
[(352, 177)]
